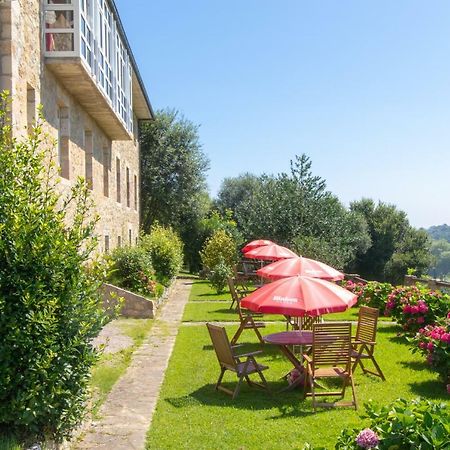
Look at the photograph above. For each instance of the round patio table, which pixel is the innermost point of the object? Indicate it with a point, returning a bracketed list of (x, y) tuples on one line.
[(285, 340)]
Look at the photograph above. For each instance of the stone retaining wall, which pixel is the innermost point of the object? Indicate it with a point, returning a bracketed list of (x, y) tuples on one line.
[(134, 305), (411, 280)]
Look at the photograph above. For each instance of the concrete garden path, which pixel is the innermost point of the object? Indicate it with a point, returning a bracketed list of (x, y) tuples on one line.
[(127, 412)]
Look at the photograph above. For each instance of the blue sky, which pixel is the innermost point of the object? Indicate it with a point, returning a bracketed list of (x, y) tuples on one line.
[(363, 88)]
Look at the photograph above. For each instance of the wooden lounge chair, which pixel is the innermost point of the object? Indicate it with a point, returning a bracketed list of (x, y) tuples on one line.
[(365, 340), (246, 318), (229, 361), (330, 358)]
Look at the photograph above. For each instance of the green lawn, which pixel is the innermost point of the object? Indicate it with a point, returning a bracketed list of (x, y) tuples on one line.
[(201, 418)]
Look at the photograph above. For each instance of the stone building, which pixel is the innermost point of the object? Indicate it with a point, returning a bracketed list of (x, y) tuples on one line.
[(73, 58)]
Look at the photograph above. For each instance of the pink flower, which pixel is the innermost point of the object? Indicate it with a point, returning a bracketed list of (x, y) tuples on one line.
[(422, 345), (414, 309), (430, 346), (367, 438), (448, 388), (390, 304), (420, 319), (445, 337)]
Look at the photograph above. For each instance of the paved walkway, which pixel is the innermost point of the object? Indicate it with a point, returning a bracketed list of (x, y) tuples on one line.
[(127, 412)]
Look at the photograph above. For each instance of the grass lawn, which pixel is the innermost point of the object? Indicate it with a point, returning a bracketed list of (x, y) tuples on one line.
[(200, 417)]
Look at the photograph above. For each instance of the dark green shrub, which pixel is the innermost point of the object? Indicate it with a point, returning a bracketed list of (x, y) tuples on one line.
[(402, 425), (132, 269), (50, 307), (166, 252)]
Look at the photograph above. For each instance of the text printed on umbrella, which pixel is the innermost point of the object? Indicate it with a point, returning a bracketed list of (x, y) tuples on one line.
[(279, 298)]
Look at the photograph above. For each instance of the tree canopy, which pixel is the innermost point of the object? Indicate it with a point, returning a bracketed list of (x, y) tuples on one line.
[(173, 179), (296, 210), (396, 246), (173, 168)]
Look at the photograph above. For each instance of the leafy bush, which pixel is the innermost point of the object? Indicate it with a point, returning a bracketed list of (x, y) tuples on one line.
[(165, 249), (132, 269), (375, 294), (433, 342), (413, 307), (404, 424), (219, 248), (218, 276), (50, 307)]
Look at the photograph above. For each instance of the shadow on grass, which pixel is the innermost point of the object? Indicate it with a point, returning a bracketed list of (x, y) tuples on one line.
[(289, 404), (415, 365), (430, 389)]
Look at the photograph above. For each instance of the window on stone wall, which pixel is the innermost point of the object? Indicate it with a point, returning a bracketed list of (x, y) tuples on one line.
[(119, 241), (106, 169), (63, 141), (128, 187), (88, 155), (135, 193), (106, 243), (130, 240), (31, 107), (118, 196)]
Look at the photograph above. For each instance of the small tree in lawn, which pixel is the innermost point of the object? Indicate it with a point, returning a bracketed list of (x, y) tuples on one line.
[(50, 308), (218, 257)]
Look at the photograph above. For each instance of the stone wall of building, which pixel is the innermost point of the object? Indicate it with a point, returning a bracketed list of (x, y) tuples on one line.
[(23, 71), (5, 45)]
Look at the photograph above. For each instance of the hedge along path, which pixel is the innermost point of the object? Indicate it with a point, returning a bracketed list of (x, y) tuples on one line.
[(128, 410)]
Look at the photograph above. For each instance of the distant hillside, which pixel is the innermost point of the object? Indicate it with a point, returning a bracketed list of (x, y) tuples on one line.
[(440, 232)]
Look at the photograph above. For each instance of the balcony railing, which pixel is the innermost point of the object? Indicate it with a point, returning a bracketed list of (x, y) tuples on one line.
[(84, 48)]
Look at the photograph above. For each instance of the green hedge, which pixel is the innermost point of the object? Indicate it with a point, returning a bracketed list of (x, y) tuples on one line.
[(50, 309)]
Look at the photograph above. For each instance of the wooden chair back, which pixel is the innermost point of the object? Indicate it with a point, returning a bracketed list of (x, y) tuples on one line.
[(222, 346), (332, 345), (366, 330), (305, 322)]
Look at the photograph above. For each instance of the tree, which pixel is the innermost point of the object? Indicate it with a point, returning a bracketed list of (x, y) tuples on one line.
[(440, 232), (234, 191), (396, 246), (173, 185), (296, 210), (440, 250), (173, 168)]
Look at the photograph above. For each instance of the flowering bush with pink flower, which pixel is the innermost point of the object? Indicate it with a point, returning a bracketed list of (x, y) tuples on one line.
[(356, 287), (403, 424), (414, 307), (433, 342), (375, 294)]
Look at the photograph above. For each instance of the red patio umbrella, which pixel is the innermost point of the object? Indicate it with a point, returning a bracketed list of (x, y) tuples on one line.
[(255, 244), (270, 252), (299, 296), (299, 266)]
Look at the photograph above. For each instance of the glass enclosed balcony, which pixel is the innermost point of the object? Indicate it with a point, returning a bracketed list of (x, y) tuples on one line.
[(85, 47)]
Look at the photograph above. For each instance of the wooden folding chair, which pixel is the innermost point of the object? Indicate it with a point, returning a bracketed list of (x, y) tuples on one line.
[(330, 359), (246, 318), (365, 339), (302, 323), (229, 361)]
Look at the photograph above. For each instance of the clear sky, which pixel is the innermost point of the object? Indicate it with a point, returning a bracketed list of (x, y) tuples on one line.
[(361, 87)]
